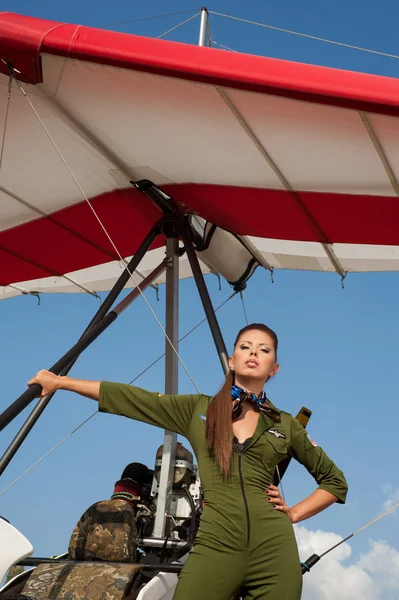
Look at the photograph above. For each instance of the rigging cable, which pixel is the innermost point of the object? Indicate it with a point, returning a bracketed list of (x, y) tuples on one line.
[(176, 26), (174, 14), (243, 307), (181, 339), (49, 452), (210, 39), (107, 234), (305, 35), (96, 412), (225, 47), (3, 140)]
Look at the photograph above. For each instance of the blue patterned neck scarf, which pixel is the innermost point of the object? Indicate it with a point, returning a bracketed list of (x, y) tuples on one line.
[(260, 403)]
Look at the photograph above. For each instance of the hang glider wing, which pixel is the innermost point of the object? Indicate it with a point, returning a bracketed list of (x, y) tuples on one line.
[(301, 159)]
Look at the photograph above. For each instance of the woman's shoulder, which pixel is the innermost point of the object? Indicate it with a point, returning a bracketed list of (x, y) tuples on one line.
[(286, 418), (205, 399)]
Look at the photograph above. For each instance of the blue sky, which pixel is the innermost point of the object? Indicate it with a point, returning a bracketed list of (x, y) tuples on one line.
[(339, 348)]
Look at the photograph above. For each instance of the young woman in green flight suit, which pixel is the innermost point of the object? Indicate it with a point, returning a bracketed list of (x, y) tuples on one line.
[(245, 544)]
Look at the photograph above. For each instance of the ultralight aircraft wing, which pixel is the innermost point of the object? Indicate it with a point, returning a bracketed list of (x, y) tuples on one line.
[(303, 160)]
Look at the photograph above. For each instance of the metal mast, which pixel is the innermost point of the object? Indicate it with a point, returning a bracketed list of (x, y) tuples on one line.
[(171, 384), (171, 360), (203, 34)]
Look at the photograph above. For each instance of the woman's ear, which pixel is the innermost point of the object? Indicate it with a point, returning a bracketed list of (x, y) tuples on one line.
[(231, 363), (274, 370)]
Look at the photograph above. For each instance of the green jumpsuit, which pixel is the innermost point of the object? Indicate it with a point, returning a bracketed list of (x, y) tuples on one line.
[(243, 542)]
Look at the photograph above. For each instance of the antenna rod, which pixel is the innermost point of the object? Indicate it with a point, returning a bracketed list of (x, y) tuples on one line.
[(203, 27)]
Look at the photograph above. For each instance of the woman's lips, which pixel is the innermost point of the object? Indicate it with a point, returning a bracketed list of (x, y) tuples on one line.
[(252, 363)]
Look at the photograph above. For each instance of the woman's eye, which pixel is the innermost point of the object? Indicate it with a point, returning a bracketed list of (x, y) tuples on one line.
[(244, 348), (266, 350)]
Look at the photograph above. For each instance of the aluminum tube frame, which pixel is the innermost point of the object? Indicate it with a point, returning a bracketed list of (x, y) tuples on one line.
[(205, 298), (102, 325), (35, 389), (177, 221), (143, 285), (161, 543), (27, 397), (171, 384)]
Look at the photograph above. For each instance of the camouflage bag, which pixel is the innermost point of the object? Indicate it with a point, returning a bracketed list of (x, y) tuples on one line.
[(106, 531)]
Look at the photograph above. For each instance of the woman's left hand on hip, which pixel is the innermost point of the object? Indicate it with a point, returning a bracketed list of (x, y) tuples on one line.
[(274, 497)]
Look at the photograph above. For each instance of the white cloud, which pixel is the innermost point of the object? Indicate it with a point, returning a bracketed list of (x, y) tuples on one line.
[(382, 562), (392, 497), (375, 576)]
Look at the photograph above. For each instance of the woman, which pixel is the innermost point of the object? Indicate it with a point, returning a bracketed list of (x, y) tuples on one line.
[(246, 539)]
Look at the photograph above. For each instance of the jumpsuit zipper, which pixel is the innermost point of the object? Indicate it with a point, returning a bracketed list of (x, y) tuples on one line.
[(243, 495)]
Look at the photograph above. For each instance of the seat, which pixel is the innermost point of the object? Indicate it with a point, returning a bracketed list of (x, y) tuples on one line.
[(105, 534)]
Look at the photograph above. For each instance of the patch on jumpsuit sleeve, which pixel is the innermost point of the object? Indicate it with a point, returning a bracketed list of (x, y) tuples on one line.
[(313, 442)]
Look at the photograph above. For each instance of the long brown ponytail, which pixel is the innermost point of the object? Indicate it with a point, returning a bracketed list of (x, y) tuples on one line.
[(219, 430)]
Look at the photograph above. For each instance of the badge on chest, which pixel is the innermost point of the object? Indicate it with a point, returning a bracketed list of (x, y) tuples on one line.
[(277, 434)]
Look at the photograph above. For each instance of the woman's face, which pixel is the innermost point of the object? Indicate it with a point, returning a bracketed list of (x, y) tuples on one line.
[(254, 356)]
